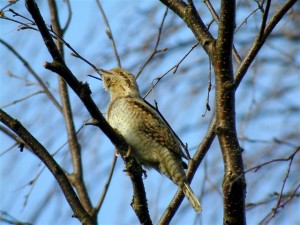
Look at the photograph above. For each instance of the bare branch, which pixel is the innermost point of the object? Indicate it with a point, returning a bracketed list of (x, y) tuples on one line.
[(279, 203), (51, 164), (289, 158), (217, 19), (69, 16), (264, 20), (21, 99), (77, 177), (34, 74), (18, 140), (8, 5), (190, 16), (106, 186), (234, 185), (82, 90), (245, 20), (9, 219), (174, 68), (109, 33), (260, 40), (155, 50)]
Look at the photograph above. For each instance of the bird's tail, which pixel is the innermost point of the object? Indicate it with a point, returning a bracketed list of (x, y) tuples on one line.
[(189, 194)]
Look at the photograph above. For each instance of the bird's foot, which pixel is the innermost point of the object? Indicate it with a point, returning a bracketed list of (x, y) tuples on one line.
[(144, 173), (128, 152)]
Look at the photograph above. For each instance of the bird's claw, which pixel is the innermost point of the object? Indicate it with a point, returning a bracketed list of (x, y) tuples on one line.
[(144, 173), (128, 152)]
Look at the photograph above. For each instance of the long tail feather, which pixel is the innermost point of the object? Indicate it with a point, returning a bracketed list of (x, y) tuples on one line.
[(188, 192)]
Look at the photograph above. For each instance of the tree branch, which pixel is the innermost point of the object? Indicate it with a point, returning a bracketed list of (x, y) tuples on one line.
[(76, 177), (82, 90), (234, 185), (109, 33), (40, 151), (190, 16), (155, 50), (259, 42), (217, 19), (106, 186), (221, 57), (34, 74)]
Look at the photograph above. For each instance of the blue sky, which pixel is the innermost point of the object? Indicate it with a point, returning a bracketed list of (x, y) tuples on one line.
[(181, 99)]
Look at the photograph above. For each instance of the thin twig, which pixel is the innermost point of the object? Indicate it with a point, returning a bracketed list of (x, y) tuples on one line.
[(53, 35), (21, 99), (69, 16), (23, 25), (76, 178), (31, 183), (273, 197), (109, 33), (207, 108), (174, 68), (278, 205), (245, 20), (264, 20), (256, 168), (259, 41), (15, 137), (9, 219), (106, 186), (272, 214), (34, 74), (155, 50), (8, 5), (15, 14)]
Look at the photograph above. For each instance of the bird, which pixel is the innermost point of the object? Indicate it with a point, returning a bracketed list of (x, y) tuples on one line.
[(151, 140)]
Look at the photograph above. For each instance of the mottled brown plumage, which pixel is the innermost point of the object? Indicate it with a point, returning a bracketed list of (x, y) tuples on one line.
[(151, 140)]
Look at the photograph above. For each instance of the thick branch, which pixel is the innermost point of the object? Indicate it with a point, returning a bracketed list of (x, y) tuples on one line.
[(221, 57), (51, 164), (234, 181), (217, 19), (82, 90), (192, 19), (226, 32), (75, 149)]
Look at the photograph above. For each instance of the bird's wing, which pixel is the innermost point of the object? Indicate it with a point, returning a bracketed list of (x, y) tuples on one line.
[(155, 127), (174, 133)]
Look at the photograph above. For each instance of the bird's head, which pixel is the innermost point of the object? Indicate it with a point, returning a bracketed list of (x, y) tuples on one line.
[(119, 83)]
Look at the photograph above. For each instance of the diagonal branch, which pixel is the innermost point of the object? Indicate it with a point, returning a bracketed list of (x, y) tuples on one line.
[(190, 16), (76, 178), (40, 151), (83, 91), (155, 50), (264, 20), (109, 33), (260, 40), (106, 186), (34, 74)]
